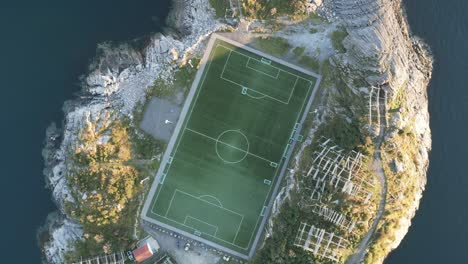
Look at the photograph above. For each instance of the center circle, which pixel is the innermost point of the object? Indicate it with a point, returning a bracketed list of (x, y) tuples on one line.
[(232, 146)]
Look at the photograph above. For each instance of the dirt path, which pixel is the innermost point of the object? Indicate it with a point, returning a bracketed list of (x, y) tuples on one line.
[(361, 251)]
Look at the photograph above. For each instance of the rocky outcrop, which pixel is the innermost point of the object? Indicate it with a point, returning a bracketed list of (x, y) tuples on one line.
[(116, 81), (61, 231), (381, 50)]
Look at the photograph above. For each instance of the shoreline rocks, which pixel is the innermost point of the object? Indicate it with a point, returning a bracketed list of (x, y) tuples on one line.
[(116, 81), (378, 43)]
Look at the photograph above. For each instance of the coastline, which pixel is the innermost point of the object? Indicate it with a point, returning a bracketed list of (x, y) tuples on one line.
[(116, 81), (120, 74), (382, 32)]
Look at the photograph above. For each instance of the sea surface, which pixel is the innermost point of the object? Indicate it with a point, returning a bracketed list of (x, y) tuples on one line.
[(439, 233), (44, 47)]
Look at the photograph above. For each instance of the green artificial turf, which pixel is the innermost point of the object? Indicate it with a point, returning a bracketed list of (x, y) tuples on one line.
[(231, 147)]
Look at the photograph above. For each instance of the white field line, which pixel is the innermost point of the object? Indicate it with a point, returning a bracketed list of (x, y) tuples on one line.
[(265, 55), (254, 97), (212, 204), (196, 198), (211, 196), (212, 52), (229, 56), (182, 123), (236, 83), (238, 229), (217, 238), (292, 92), (201, 221), (276, 172), (269, 189), (290, 73), (234, 147), (259, 71), (265, 95), (170, 203), (191, 106)]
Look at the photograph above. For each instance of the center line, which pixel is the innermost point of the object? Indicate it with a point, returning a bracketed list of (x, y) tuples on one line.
[(248, 153)]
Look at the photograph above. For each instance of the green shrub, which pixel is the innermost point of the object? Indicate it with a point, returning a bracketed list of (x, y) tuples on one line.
[(343, 133), (298, 51), (313, 30), (337, 38), (145, 146), (274, 45), (106, 188), (316, 19), (279, 248), (220, 7), (183, 78), (310, 62), (273, 8)]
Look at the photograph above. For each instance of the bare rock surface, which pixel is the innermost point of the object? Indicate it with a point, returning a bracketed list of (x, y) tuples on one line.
[(379, 43), (379, 48), (116, 81)]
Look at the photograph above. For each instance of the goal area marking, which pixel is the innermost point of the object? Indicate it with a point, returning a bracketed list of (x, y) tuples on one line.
[(190, 222), (260, 71), (187, 216), (274, 77)]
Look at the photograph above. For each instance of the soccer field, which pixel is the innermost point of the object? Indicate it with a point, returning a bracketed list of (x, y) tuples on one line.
[(231, 147)]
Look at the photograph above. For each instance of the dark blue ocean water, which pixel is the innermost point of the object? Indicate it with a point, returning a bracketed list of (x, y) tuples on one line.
[(440, 229), (44, 47)]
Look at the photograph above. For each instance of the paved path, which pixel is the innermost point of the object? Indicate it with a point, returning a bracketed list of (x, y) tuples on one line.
[(377, 168)]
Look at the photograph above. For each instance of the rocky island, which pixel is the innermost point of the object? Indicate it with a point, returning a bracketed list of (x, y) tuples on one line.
[(368, 121)]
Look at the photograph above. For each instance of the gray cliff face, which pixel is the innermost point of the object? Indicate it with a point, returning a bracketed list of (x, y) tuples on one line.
[(380, 46), (115, 83), (381, 50)]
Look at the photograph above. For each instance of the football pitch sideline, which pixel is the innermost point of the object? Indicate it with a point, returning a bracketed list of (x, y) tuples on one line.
[(231, 147)]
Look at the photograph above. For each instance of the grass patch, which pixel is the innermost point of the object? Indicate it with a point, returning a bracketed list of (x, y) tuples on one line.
[(267, 9), (360, 82), (344, 133), (329, 76), (227, 166), (182, 80), (310, 62), (402, 188), (106, 188), (274, 45), (220, 7), (316, 20), (145, 146), (298, 51), (105, 173), (337, 38), (279, 248)]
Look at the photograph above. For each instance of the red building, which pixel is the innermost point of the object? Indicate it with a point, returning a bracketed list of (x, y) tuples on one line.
[(143, 253)]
